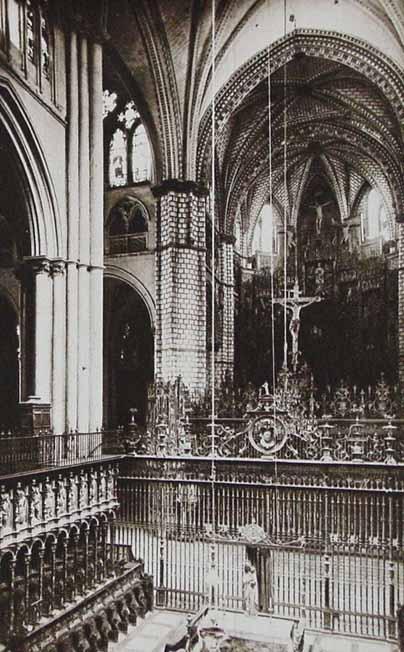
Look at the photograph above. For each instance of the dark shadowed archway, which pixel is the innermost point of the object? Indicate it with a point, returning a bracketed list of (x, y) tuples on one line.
[(128, 354)]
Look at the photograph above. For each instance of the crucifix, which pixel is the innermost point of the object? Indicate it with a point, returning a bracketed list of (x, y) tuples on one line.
[(319, 213), (295, 303)]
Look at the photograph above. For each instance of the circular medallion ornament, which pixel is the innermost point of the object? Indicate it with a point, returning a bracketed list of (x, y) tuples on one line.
[(267, 434)]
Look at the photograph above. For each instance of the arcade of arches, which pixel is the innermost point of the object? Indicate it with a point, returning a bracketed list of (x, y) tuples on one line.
[(181, 216)]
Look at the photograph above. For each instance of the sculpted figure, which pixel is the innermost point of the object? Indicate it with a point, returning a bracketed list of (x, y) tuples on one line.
[(49, 499), (5, 507), (20, 505)]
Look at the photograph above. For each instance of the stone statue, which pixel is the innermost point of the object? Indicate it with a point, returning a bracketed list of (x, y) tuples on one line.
[(250, 590), (5, 508), (35, 510), (93, 486), (297, 634), (319, 278), (20, 505), (49, 499), (83, 491), (61, 496)]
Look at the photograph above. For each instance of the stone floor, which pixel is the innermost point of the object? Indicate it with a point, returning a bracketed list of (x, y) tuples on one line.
[(163, 627)]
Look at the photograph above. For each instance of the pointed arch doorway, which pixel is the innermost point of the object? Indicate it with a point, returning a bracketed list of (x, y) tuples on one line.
[(128, 353)]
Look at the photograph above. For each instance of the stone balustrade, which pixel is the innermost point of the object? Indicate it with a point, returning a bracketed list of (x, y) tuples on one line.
[(34, 504)]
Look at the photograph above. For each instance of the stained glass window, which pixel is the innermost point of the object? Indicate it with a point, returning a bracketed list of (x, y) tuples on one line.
[(141, 158), (118, 166)]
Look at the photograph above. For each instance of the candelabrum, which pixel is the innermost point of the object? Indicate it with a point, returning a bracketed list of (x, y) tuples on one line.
[(326, 443), (357, 441), (390, 443)]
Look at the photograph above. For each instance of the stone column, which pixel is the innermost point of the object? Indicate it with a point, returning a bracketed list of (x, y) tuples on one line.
[(73, 234), (97, 236), (225, 358), (12, 596), (59, 346), (181, 283), (83, 362), (43, 329), (27, 575)]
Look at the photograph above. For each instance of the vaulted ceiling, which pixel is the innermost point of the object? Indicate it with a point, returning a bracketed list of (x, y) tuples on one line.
[(337, 73)]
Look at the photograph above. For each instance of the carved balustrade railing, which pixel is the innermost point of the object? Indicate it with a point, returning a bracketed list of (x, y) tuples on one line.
[(57, 544), (126, 244), (33, 503), (26, 453)]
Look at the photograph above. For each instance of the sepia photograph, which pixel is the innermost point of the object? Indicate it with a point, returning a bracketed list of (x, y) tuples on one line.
[(202, 326)]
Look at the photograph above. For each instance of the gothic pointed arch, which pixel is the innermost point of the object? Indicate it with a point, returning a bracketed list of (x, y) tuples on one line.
[(35, 177)]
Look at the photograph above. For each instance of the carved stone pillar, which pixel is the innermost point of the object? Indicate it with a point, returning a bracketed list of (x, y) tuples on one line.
[(27, 574), (225, 356), (12, 596), (181, 283), (65, 571), (52, 576), (41, 554), (75, 540), (86, 578)]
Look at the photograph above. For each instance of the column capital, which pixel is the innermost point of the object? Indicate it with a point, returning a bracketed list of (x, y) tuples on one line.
[(58, 266), (228, 238), (38, 264), (179, 186)]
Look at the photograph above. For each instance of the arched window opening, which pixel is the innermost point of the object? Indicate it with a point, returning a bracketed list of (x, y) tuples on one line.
[(374, 217), (138, 222), (265, 239), (128, 227), (141, 158), (129, 155), (118, 167)]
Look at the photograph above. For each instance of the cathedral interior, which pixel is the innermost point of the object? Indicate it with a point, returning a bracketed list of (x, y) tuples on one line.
[(201, 325)]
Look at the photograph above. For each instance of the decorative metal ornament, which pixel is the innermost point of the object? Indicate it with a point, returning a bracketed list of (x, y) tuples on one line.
[(267, 434), (252, 533)]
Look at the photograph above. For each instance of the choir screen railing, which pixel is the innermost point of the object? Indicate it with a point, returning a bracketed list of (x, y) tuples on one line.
[(326, 539)]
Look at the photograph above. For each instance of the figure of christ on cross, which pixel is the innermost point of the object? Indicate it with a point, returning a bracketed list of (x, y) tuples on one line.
[(319, 213), (295, 303)]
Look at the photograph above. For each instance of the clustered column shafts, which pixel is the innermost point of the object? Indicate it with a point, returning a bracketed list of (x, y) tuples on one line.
[(85, 236), (83, 361), (97, 236), (73, 233)]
